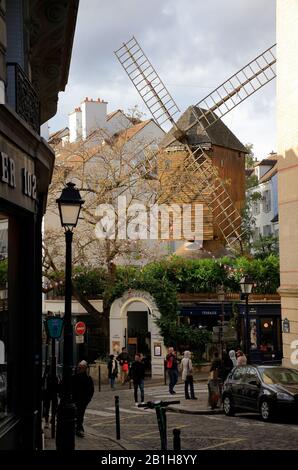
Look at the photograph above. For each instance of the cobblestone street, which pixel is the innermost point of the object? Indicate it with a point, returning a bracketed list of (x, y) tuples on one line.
[(139, 429)]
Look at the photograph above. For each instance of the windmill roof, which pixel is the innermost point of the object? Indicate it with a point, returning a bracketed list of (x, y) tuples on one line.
[(217, 134)]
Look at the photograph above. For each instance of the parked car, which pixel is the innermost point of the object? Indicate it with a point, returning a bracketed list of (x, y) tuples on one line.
[(265, 389)]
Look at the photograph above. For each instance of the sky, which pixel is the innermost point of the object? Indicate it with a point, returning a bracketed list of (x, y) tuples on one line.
[(194, 45)]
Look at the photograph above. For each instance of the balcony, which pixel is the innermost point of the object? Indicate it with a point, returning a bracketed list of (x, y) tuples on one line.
[(22, 97)]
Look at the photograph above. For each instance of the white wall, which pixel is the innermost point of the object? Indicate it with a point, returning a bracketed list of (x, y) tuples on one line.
[(264, 218), (118, 324), (94, 116), (287, 148), (44, 131), (117, 123), (57, 306), (260, 170), (75, 125)]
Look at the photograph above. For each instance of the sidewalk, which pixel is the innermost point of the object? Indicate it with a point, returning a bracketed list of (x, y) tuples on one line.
[(102, 406)]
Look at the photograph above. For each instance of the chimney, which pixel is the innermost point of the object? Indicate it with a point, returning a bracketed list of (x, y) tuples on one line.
[(94, 115)]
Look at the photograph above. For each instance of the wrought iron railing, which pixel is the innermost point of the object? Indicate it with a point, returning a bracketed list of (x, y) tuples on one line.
[(22, 96)]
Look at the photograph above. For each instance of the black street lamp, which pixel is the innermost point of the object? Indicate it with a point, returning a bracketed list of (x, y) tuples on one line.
[(221, 298), (246, 285), (69, 203)]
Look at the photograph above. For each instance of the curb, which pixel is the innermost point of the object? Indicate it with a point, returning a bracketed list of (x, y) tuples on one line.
[(123, 445), (196, 412)]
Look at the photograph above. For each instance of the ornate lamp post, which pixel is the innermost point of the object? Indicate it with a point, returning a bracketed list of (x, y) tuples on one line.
[(221, 298), (246, 285), (69, 203)]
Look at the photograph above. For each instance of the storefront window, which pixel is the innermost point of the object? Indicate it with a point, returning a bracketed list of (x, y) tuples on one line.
[(267, 332), (3, 313), (253, 334)]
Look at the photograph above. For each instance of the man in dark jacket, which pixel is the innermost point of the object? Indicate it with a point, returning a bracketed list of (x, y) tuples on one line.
[(123, 359), (137, 374), (82, 392), (171, 364)]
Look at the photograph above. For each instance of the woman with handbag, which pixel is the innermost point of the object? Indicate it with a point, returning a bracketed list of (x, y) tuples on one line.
[(187, 377), (214, 382)]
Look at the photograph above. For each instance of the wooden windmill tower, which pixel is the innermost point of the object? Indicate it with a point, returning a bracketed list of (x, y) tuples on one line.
[(205, 181)]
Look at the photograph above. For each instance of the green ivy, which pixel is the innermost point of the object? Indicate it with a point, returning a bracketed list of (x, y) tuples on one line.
[(166, 278)]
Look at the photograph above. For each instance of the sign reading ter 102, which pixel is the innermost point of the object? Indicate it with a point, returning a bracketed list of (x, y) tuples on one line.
[(8, 176)]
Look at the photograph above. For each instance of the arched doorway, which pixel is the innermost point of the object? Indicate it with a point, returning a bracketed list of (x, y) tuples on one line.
[(133, 325)]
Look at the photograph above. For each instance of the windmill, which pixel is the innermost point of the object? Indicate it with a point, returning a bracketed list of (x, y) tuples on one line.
[(205, 113)]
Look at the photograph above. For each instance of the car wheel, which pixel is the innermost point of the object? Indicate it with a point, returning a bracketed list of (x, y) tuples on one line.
[(266, 410), (228, 407)]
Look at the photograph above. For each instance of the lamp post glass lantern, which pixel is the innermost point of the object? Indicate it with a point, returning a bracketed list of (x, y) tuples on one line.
[(246, 285), (69, 203)]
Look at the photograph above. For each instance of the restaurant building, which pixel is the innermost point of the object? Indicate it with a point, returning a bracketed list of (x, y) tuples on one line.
[(264, 316)]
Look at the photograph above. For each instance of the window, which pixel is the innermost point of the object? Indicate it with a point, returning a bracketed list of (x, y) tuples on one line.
[(267, 201), (280, 375), (3, 313), (256, 233), (267, 334), (239, 373), (253, 334), (251, 374), (256, 207), (267, 230)]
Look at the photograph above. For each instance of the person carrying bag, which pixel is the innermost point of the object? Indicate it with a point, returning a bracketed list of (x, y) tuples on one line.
[(187, 376)]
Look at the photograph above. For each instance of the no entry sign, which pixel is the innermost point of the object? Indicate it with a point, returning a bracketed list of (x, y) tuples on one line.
[(80, 328)]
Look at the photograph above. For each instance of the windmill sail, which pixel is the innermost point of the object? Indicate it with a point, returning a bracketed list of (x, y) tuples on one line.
[(146, 80), (237, 88)]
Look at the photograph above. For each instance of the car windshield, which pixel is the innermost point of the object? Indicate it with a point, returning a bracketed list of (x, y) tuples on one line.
[(279, 375)]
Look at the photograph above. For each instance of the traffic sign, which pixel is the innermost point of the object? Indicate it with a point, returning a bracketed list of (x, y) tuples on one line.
[(54, 327), (80, 328), (79, 339)]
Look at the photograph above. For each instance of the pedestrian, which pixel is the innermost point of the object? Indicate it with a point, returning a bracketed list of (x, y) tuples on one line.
[(123, 359), (227, 365), (233, 358), (82, 392), (241, 358), (50, 386), (187, 376), (172, 368), (137, 374), (214, 385), (112, 370)]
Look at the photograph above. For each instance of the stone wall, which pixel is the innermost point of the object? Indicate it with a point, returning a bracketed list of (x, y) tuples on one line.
[(287, 148)]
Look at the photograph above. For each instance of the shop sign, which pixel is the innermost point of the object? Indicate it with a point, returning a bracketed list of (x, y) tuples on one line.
[(18, 182)]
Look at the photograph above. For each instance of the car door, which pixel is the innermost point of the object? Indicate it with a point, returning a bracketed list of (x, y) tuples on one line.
[(237, 383), (251, 388)]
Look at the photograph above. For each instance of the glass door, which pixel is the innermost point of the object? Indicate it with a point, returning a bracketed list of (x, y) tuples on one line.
[(3, 313), (270, 337)]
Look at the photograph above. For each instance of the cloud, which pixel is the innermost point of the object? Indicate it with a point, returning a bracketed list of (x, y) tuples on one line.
[(194, 45)]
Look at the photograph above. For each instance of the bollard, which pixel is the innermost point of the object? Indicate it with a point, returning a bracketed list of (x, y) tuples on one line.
[(117, 413), (99, 379), (176, 439)]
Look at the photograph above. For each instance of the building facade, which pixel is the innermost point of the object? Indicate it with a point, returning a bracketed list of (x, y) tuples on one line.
[(36, 42), (287, 148), (264, 210)]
